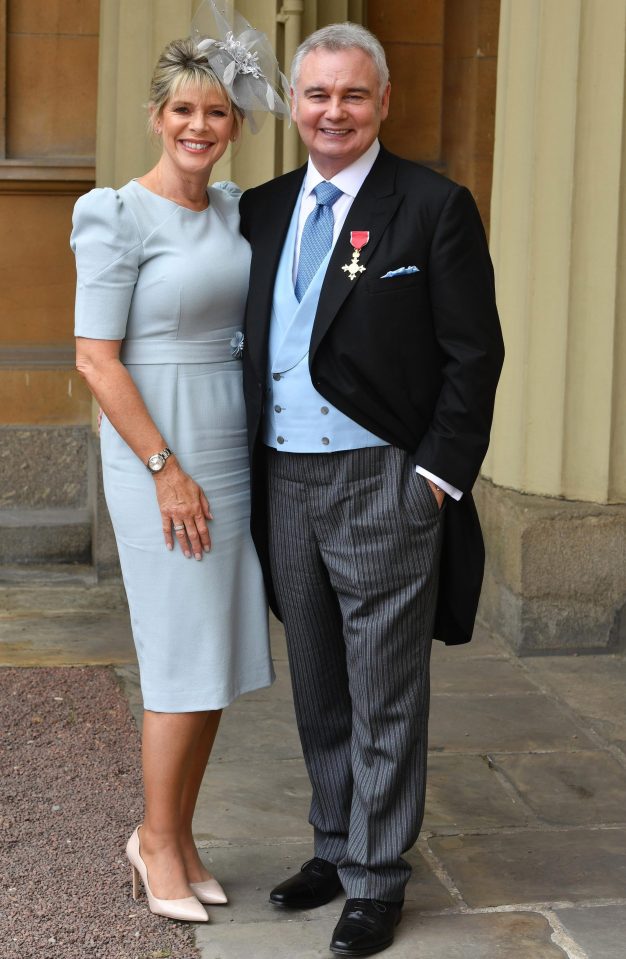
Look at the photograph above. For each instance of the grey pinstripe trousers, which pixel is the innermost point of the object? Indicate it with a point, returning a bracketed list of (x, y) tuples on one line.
[(355, 541)]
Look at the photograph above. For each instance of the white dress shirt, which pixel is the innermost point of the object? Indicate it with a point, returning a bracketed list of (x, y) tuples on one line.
[(349, 181)]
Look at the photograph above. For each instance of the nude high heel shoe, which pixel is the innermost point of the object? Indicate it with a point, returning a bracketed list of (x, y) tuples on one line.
[(209, 892), (189, 909)]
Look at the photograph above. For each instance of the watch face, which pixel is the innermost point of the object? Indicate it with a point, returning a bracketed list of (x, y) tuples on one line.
[(156, 462)]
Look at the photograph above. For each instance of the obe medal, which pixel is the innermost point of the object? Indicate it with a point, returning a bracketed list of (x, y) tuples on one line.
[(358, 239)]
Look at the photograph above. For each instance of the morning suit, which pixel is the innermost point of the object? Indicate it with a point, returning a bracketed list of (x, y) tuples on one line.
[(414, 360)]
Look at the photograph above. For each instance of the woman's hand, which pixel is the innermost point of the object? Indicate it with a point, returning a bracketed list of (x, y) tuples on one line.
[(183, 504), (181, 501)]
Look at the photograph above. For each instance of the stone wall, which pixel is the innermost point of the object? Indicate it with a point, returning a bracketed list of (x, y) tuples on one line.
[(555, 577), (48, 71)]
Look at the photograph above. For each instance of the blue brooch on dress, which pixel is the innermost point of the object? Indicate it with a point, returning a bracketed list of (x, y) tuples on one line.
[(236, 345)]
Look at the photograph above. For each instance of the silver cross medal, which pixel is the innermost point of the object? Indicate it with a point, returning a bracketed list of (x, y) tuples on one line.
[(358, 239)]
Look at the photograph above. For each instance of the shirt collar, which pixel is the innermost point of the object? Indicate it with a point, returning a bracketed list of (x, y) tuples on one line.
[(350, 180)]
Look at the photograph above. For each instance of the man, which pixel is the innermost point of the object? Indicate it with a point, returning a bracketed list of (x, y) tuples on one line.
[(371, 358)]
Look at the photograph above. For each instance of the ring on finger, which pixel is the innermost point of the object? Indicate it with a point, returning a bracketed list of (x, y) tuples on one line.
[(178, 528)]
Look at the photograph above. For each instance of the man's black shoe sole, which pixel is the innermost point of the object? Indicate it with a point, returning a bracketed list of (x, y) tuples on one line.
[(362, 952), (306, 903), (357, 953)]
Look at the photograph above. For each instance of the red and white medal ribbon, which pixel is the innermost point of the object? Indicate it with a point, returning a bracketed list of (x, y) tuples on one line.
[(358, 239)]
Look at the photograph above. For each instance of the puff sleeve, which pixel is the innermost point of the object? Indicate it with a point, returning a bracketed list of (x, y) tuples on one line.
[(227, 186), (107, 246)]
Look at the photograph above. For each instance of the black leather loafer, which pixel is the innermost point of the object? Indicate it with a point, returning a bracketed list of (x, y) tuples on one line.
[(316, 884), (366, 926)]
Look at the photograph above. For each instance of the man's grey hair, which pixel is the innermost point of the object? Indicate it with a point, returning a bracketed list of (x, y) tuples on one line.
[(343, 36)]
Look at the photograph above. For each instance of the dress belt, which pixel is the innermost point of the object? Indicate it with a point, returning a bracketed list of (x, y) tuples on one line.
[(159, 351)]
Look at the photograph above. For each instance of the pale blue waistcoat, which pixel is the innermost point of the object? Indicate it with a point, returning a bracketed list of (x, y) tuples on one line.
[(297, 418)]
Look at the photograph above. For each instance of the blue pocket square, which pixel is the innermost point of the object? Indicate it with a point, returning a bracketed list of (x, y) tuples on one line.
[(401, 271)]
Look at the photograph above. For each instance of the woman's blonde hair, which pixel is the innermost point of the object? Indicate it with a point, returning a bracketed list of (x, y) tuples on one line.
[(180, 66)]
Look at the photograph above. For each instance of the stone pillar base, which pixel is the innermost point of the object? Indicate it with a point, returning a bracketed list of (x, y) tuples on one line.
[(555, 577)]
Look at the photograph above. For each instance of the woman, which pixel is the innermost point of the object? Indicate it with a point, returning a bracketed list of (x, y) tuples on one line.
[(162, 281)]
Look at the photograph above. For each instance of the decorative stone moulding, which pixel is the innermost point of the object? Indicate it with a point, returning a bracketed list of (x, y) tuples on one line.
[(67, 177)]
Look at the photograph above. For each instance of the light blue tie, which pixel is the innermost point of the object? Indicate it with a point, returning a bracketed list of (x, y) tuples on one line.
[(317, 235)]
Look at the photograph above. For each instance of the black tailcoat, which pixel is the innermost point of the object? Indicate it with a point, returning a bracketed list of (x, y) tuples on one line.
[(414, 359)]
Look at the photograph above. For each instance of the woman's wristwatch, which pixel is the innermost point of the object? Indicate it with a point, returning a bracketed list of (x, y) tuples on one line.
[(156, 462)]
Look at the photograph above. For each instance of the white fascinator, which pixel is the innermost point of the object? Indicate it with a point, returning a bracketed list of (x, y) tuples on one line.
[(243, 60)]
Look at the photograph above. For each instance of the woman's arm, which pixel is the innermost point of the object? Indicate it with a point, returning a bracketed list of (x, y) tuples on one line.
[(180, 499)]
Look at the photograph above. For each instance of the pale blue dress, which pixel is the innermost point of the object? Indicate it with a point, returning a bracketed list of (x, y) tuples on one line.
[(172, 284)]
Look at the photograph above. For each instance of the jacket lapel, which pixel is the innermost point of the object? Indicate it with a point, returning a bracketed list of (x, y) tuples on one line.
[(374, 206), (267, 250)]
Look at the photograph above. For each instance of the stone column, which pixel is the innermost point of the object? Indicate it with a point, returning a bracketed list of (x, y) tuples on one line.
[(553, 507), (291, 16), (131, 38), (258, 158)]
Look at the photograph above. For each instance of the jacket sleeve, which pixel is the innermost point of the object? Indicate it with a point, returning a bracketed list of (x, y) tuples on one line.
[(243, 214), (467, 330)]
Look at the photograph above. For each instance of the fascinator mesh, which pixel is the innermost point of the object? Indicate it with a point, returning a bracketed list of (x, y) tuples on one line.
[(244, 62)]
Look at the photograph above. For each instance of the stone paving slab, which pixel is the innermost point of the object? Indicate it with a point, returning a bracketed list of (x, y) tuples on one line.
[(592, 687), (423, 888), (483, 644), (600, 930), (536, 866), (246, 802), (515, 723), (473, 675), (463, 793), (293, 939), (249, 730), (569, 788), (510, 935), (66, 640)]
